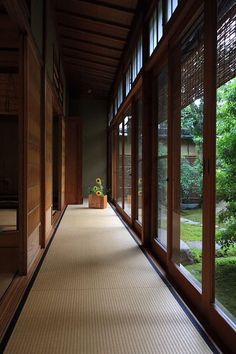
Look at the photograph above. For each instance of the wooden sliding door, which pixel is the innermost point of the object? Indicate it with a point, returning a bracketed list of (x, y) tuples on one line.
[(73, 159)]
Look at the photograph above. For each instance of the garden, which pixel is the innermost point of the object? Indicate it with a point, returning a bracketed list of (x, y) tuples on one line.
[(191, 186)]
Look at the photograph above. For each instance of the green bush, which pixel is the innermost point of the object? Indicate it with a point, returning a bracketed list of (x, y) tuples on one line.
[(197, 255)]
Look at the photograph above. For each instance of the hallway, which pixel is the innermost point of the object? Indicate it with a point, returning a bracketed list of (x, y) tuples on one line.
[(97, 293)]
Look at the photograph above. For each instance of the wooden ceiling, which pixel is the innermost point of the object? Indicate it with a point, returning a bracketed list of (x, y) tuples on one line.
[(92, 36)]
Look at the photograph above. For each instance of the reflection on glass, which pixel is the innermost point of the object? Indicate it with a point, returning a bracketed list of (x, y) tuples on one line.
[(127, 164), (120, 165), (225, 259), (140, 157), (162, 155), (187, 222)]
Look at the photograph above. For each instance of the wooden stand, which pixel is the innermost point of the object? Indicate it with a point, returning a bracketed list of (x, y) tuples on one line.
[(96, 202)]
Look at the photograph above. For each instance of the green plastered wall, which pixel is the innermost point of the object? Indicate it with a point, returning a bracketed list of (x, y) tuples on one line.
[(94, 117)]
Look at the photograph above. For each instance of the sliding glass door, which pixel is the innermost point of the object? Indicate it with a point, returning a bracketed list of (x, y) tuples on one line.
[(124, 163), (120, 166), (127, 170), (127, 163), (139, 161), (162, 156), (225, 230), (188, 158)]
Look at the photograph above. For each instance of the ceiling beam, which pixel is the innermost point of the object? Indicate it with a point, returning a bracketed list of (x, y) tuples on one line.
[(91, 42), (92, 63), (86, 72), (92, 19), (109, 6), (88, 59), (91, 52), (83, 31), (85, 85)]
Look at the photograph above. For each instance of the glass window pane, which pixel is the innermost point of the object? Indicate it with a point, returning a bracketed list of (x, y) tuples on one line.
[(169, 9), (225, 260), (174, 5), (127, 164), (153, 33), (188, 221), (139, 160), (120, 165), (162, 156), (160, 20)]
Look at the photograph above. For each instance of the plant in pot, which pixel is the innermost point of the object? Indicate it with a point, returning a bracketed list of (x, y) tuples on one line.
[(97, 195)]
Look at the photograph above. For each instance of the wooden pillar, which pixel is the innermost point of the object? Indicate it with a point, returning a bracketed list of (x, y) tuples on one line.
[(209, 202)]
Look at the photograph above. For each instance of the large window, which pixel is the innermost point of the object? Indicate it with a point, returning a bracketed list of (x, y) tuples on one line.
[(127, 163), (139, 54), (162, 155), (128, 81), (160, 20), (225, 260), (124, 164), (120, 94), (134, 65), (171, 6), (153, 32), (139, 142), (120, 166), (189, 169)]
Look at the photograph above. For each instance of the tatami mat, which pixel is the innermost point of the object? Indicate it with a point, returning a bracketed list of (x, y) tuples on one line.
[(96, 293)]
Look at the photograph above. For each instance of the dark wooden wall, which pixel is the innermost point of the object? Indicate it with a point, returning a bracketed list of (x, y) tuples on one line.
[(48, 159), (74, 161), (33, 121), (63, 161)]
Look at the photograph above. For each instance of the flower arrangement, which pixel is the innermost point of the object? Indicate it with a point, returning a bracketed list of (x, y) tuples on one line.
[(98, 189)]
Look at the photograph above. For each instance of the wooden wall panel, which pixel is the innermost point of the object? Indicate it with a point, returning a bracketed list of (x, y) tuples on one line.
[(63, 168), (33, 121), (73, 160), (48, 158)]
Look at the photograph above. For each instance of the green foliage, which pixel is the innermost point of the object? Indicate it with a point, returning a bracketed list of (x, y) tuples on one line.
[(225, 284), (230, 252), (191, 173), (226, 162), (191, 179), (196, 255), (225, 261)]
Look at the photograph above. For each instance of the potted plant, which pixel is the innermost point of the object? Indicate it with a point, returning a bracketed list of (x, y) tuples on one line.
[(97, 195)]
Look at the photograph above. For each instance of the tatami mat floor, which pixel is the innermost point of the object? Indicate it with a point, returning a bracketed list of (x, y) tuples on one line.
[(96, 293)]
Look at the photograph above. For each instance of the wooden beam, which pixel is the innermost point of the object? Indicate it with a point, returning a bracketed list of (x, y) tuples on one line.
[(91, 47), (77, 16), (114, 7), (83, 72), (91, 64), (94, 53), (91, 42), (88, 59), (90, 32)]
